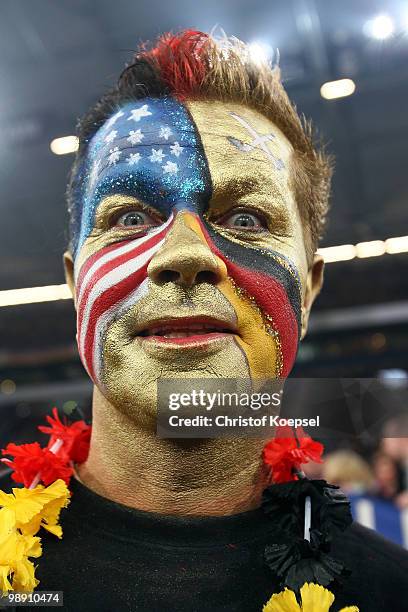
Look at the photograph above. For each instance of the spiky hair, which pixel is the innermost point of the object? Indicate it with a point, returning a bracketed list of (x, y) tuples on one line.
[(193, 65)]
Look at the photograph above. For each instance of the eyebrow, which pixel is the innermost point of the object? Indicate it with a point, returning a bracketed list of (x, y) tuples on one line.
[(237, 187), (240, 187)]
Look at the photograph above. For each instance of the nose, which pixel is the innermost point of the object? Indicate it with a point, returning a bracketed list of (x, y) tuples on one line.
[(185, 258)]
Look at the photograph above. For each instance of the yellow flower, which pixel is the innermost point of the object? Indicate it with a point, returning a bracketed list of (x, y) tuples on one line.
[(7, 523), (15, 549), (24, 511), (314, 597), (23, 577), (38, 507), (5, 584)]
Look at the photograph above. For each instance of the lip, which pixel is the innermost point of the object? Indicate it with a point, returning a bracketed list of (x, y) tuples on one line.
[(198, 329)]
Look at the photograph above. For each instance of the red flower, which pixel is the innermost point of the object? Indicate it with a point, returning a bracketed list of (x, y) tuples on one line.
[(286, 453), (76, 437), (31, 459)]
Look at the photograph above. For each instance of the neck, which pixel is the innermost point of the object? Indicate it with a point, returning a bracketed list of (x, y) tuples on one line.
[(131, 466)]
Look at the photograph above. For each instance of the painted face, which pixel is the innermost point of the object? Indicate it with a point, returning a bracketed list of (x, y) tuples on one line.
[(190, 258)]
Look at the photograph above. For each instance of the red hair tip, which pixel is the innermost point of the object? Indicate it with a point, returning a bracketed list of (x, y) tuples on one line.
[(180, 59)]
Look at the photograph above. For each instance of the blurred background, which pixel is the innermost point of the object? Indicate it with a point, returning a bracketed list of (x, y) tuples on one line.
[(345, 65)]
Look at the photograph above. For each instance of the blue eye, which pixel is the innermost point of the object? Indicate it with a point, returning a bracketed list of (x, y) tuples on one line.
[(135, 218), (243, 220)]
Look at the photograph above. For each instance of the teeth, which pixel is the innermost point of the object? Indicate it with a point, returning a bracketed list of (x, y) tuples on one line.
[(179, 334)]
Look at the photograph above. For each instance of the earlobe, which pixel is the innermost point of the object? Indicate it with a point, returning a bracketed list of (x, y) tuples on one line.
[(314, 284), (69, 273)]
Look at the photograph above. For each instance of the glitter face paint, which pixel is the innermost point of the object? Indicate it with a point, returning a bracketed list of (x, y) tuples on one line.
[(149, 150), (190, 163)]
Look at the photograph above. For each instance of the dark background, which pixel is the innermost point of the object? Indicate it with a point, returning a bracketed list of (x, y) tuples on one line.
[(56, 58)]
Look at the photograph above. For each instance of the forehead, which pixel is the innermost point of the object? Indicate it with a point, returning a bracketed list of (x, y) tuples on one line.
[(246, 153), (174, 155), (149, 150)]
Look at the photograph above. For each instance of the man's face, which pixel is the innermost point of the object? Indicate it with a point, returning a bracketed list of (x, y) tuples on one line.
[(191, 259)]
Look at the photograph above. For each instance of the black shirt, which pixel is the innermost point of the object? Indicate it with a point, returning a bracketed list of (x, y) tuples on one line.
[(112, 557)]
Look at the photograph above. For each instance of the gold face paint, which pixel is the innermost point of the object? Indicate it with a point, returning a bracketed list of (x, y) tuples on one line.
[(256, 336), (186, 272), (254, 179), (105, 232), (133, 366)]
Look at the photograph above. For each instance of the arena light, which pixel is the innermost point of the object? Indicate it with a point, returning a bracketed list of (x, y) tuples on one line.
[(64, 145), (34, 295), (380, 28), (337, 89), (342, 252), (7, 386), (396, 245), (260, 52), (373, 248)]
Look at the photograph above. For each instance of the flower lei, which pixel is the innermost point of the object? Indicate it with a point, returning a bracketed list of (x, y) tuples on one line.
[(314, 598), (300, 560), (26, 510)]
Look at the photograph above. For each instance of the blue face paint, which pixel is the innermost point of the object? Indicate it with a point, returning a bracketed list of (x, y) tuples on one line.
[(149, 149)]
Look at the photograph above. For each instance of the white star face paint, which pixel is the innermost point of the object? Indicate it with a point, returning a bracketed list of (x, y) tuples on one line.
[(113, 284), (136, 114), (157, 161)]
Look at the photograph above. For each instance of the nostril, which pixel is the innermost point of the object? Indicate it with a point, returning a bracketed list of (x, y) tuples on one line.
[(168, 276), (172, 276), (206, 276)]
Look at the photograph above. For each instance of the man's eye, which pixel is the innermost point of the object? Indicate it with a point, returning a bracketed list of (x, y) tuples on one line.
[(242, 220), (134, 218)]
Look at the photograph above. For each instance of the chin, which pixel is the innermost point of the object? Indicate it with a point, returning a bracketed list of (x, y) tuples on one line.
[(136, 402)]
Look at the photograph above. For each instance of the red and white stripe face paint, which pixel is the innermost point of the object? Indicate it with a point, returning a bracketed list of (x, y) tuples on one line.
[(191, 291), (108, 284)]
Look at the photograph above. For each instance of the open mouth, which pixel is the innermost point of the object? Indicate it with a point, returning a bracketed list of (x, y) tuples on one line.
[(186, 330)]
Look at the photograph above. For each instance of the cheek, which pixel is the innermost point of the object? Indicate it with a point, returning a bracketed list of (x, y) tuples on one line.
[(109, 283), (258, 338), (265, 290)]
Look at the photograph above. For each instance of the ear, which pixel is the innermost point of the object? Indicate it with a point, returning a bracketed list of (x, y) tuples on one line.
[(313, 285), (69, 273)]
